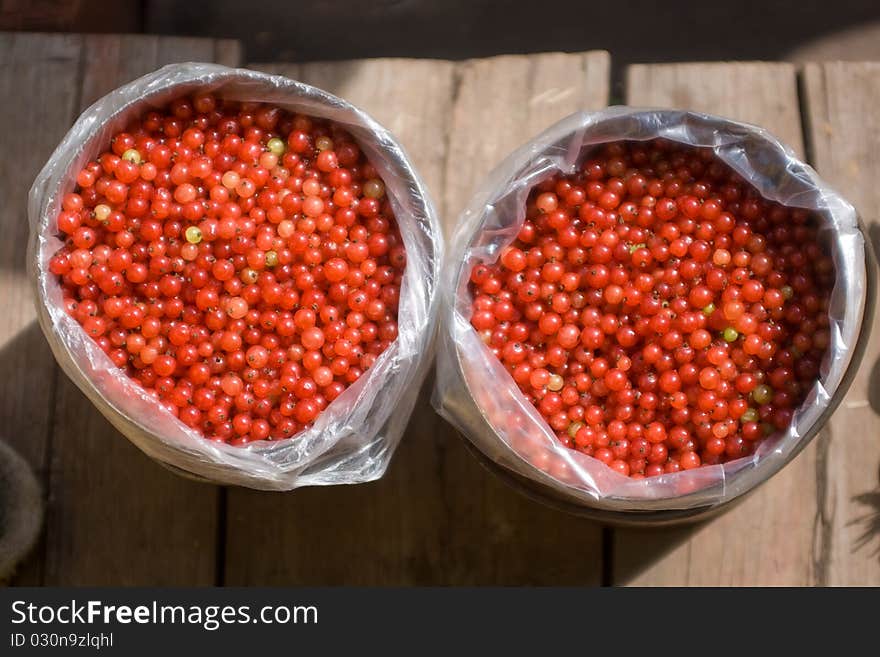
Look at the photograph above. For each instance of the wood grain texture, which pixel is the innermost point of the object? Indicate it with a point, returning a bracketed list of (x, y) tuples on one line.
[(774, 536), (762, 93), (38, 84), (436, 517), (115, 516), (505, 101), (841, 100)]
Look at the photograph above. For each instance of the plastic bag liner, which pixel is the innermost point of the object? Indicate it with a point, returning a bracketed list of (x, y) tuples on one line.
[(353, 439), (476, 394)]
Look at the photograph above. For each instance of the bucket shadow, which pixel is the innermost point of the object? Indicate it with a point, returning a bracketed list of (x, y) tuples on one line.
[(437, 517)]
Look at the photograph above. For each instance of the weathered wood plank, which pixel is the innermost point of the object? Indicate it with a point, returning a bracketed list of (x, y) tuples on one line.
[(38, 84), (437, 517), (769, 538), (116, 517), (843, 130), (505, 101), (110, 61), (763, 93)]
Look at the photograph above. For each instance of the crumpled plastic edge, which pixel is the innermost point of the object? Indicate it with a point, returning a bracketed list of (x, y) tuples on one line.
[(353, 440), (477, 395)]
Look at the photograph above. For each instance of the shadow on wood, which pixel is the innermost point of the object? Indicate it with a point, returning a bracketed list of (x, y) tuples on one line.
[(113, 516), (874, 377), (28, 376), (436, 518), (639, 549), (869, 523), (72, 15)]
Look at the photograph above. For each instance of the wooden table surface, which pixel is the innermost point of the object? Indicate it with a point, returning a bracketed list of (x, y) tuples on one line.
[(437, 517)]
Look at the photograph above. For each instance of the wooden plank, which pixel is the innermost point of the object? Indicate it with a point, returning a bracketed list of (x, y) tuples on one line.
[(38, 84), (843, 130), (436, 517), (505, 101), (768, 539), (116, 517)]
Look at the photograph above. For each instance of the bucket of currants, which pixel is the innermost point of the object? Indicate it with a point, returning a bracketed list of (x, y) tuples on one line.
[(648, 313), (239, 270)]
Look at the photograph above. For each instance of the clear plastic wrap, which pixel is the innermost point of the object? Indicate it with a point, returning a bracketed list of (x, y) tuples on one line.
[(354, 438), (476, 394)]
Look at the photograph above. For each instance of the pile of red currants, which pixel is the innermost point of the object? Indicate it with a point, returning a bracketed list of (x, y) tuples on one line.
[(240, 262), (657, 311)]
